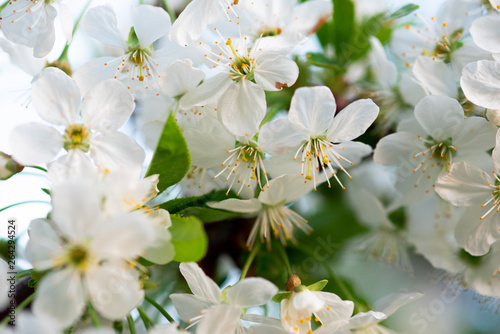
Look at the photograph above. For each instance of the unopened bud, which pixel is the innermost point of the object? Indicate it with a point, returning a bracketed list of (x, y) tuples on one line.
[(8, 166), (293, 282)]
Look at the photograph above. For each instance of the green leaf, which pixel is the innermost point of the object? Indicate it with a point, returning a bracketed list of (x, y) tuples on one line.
[(319, 59), (343, 20), (189, 238), (171, 159), (47, 191), (209, 215), (403, 11), (318, 286), (281, 295), (179, 204)]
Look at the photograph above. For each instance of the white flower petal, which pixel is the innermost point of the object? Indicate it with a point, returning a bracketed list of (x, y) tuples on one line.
[(436, 76), (131, 235), (107, 106), (308, 16), (47, 37), (362, 320), (114, 289), (116, 150), (384, 70), (352, 121), (23, 57), (94, 71), (276, 73), (200, 284), (397, 149), (35, 143), (476, 235), (180, 77), (242, 108), (476, 135), (66, 21), (60, 297), (238, 205), (76, 209), (100, 23), (313, 108), (281, 135), (56, 97), (481, 83), (411, 90), (340, 310), (286, 188), (189, 306), (391, 303), (209, 91), (483, 31), (464, 185), (251, 292), (220, 319), (150, 23), (193, 20), (440, 116), (44, 245)]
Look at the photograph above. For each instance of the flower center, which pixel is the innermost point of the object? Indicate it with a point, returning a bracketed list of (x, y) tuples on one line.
[(271, 32), (241, 67), (77, 256), (77, 136), (318, 154), (244, 165), (279, 221)]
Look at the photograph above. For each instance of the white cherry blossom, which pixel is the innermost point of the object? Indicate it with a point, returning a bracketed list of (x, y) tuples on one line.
[(146, 52), (244, 74), (216, 312), (88, 126), (87, 254), (321, 140), (426, 147), (31, 23), (274, 217)]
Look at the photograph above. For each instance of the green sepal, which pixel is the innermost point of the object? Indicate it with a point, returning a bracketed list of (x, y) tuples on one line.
[(318, 286), (133, 40), (282, 295)]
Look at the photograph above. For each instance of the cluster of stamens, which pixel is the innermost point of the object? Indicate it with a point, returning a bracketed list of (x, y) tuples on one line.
[(137, 66), (77, 137), (244, 164), (438, 154), (320, 155), (494, 201), (31, 7), (279, 221), (442, 42)]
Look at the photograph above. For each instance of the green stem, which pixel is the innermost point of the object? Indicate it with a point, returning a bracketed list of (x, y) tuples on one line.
[(26, 202), (286, 260), (145, 319), (23, 273), (169, 10), (19, 308), (38, 167), (131, 325), (159, 308), (249, 261), (93, 315)]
